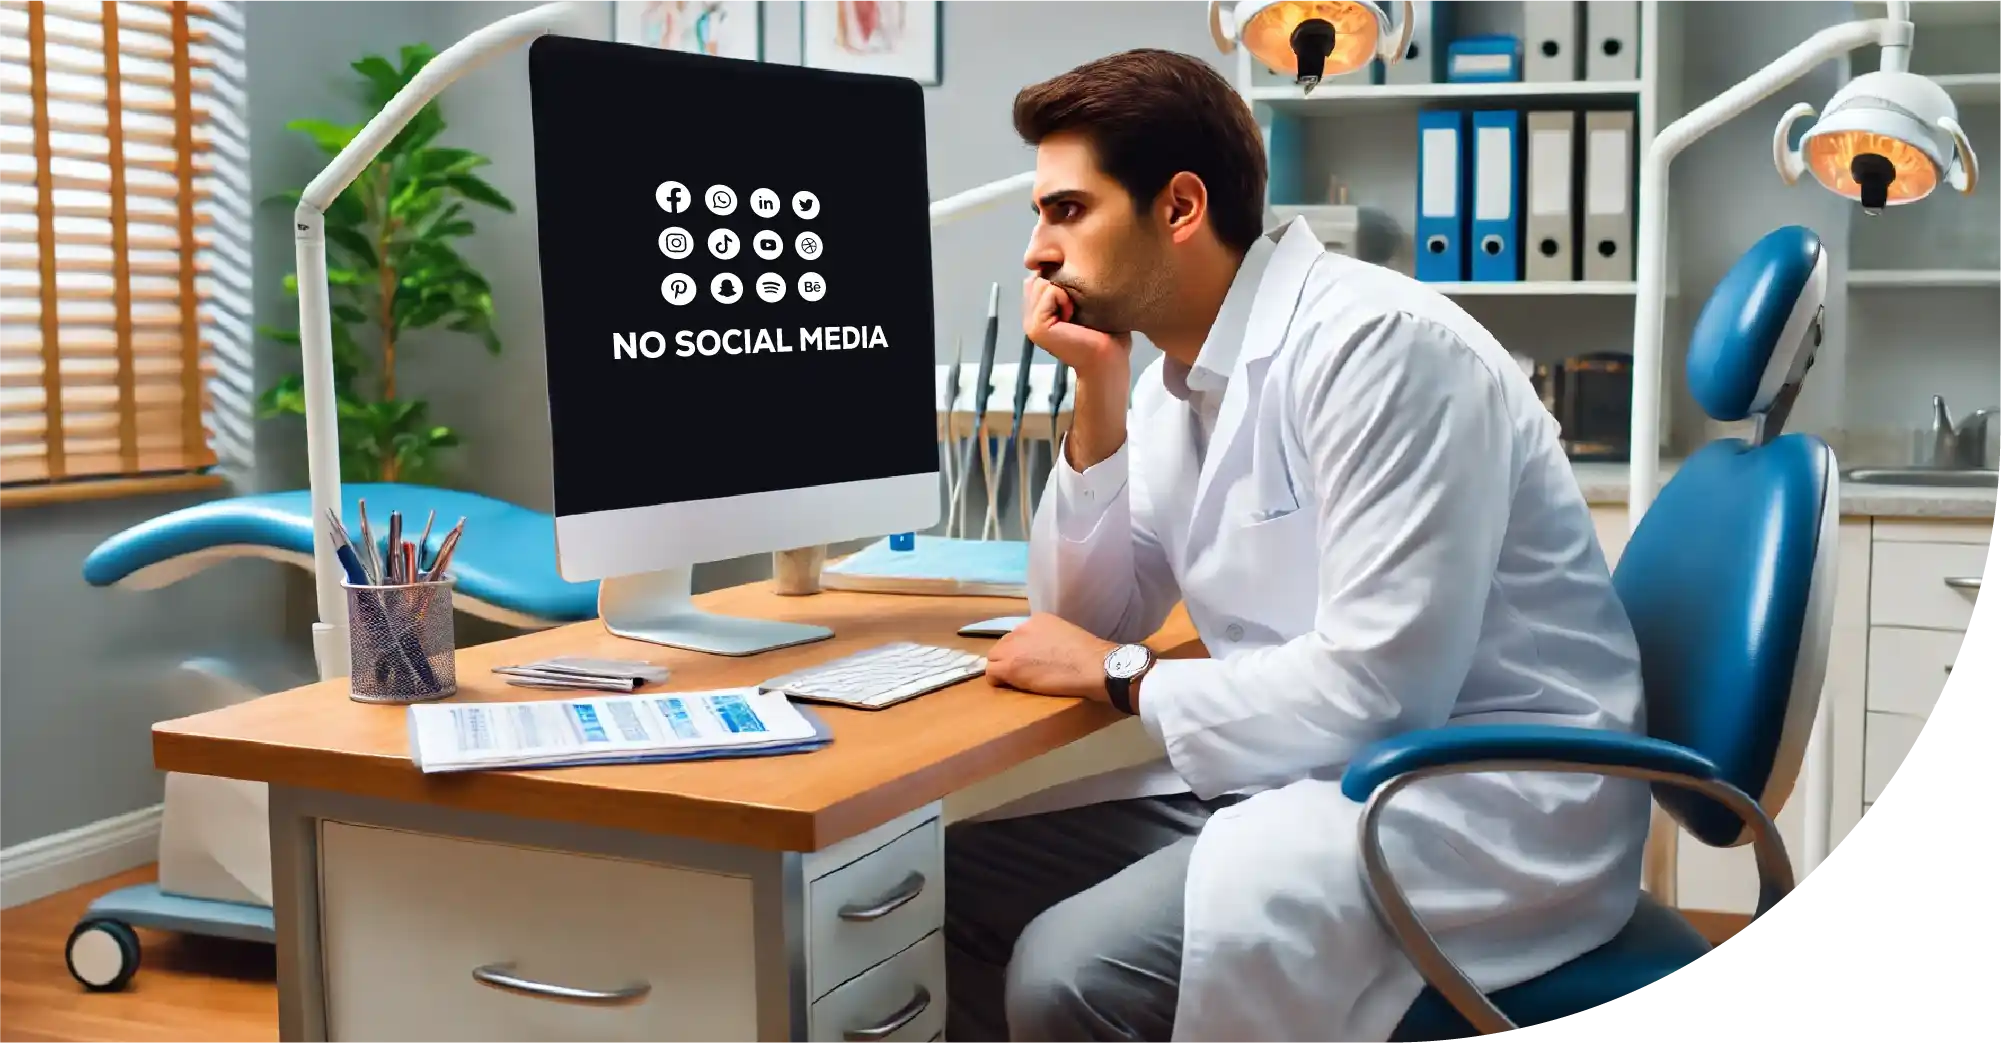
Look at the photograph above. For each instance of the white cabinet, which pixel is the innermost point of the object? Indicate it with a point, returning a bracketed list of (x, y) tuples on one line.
[(431, 925), (1904, 595)]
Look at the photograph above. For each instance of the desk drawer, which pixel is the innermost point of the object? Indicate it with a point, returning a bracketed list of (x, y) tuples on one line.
[(407, 917), (1908, 668), (1887, 738), (874, 907), (902, 998), (1924, 585)]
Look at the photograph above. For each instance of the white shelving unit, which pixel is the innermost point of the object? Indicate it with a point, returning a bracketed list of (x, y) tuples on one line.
[(1366, 135), (1939, 278)]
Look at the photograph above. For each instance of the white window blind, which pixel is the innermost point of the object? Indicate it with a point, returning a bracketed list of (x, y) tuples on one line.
[(105, 210)]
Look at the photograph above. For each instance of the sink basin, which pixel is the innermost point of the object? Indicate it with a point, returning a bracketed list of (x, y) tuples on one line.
[(1954, 478)]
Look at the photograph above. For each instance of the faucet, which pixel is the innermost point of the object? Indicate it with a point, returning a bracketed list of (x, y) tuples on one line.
[(1963, 445)]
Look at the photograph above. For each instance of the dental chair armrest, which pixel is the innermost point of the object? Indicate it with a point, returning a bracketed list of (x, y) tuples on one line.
[(1377, 773), (1387, 759)]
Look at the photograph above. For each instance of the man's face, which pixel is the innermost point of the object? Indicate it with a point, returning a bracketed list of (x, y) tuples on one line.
[(1113, 261)]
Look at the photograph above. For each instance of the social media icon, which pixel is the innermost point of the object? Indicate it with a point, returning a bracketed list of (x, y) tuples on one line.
[(812, 287), (768, 244), (765, 203), (723, 244), (807, 245), (771, 287), (677, 289), (806, 204), (677, 243), (672, 196), (726, 287), (720, 199)]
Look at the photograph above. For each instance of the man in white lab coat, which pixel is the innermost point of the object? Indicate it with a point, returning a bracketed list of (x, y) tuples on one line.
[(1367, 514)]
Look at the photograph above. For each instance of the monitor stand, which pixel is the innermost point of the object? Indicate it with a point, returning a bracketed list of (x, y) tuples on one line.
[(659, 607)]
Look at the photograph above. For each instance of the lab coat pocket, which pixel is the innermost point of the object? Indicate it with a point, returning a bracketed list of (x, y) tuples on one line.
[(1272, 567)]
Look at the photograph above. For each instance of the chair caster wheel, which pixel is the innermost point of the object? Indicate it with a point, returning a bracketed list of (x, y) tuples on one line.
[(102, 954)]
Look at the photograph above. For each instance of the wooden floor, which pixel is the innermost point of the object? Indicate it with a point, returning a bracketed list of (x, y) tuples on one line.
[(192, 988), (188, 987)]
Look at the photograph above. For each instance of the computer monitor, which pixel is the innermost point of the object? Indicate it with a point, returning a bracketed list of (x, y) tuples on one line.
[(737, 320)]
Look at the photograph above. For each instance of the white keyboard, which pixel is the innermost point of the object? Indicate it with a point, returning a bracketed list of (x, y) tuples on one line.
[(878, 677)]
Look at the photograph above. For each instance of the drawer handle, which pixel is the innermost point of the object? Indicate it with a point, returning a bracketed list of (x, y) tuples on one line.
[(502, 977), (896, 1022), (1964, 583), (905, 892)]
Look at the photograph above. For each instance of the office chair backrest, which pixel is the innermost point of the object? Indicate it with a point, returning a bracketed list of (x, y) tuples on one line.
[(1730, 578)]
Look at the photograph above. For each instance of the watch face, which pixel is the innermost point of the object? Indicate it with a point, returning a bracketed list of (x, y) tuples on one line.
[(1127, 661)]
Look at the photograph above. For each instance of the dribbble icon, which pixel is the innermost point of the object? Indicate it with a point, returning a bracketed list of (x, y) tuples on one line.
[(672, 196), (677, 289), (677, 243), (771, 287), (721, 200), (812, 287), (765, 203), (768, 244), (808, 245), (723, 244), (726, 288), (806, 205)]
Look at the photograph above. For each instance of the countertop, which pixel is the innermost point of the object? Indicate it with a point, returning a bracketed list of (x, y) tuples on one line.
[(1606, 484)]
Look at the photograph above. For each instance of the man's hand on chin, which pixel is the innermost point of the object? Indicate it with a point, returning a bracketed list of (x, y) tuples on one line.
[(1050, 655)]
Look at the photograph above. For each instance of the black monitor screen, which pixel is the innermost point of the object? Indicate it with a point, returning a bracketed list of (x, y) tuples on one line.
[(736, 275)]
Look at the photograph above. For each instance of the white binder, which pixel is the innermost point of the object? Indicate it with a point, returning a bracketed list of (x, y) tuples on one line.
[(1550, 220), (1612, 35), (1550, 41), (1609, 196)]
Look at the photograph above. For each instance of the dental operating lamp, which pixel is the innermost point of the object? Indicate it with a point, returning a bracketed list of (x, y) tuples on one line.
[(330, 634), (1310, 40)]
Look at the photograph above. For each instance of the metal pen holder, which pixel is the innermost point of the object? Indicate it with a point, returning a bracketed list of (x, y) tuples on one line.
[(401, 645)]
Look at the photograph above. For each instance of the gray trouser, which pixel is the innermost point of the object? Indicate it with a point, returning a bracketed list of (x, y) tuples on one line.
[(1068, 925)]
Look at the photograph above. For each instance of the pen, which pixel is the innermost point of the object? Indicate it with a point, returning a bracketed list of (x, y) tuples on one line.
[(424, 539), (394, 574), (369, 558), (445, 552)]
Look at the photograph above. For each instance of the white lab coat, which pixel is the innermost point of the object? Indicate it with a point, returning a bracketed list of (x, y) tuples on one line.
[(1381, 534)]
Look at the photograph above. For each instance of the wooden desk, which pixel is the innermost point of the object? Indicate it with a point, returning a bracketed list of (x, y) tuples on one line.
[(747, 897)]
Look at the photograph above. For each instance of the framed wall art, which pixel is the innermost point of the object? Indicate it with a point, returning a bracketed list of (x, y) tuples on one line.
[(889, 37), (724, 28)]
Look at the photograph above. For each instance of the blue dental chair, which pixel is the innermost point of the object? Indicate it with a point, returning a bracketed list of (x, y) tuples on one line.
[(1729, 582), (505, 563)]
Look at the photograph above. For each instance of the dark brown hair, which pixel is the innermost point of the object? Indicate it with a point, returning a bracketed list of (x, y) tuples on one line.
[(1151, 114)]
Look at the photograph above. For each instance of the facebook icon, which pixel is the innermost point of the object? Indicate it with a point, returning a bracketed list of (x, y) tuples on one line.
[(672, 196)]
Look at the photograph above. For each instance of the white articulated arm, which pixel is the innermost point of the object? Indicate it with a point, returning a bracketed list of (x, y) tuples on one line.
[(316, 346), (323, 458), (1651, 275)]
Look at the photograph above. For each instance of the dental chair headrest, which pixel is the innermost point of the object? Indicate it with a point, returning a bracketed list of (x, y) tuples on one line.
[(1758, 332)]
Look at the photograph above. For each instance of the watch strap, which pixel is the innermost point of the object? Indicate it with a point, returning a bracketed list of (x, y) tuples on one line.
[(1119, 691)]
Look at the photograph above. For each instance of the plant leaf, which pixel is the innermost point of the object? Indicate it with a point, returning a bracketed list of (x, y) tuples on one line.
[(479, 191), (384, 81), (330, 137)]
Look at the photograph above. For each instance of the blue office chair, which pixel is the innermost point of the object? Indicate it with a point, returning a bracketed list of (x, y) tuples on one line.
[(1729, 582)]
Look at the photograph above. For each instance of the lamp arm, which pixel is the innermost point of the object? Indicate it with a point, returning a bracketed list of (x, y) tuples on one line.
[(1644, 451), (309, 234)]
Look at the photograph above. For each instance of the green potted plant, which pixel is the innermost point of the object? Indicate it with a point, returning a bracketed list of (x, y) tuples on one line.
[(392, 270)]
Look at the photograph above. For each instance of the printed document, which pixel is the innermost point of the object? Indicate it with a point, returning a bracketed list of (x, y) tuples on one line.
[(661, 726)]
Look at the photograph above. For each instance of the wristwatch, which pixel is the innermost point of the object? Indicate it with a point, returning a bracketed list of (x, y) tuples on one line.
[(1124, 666)]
